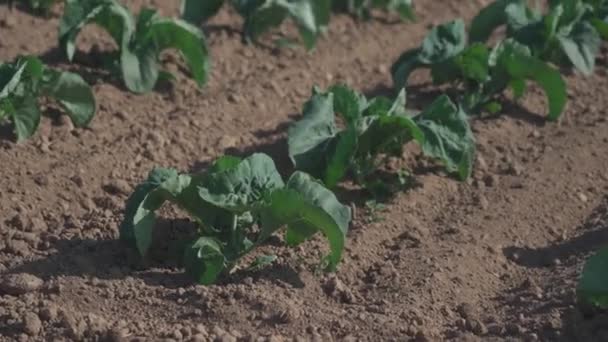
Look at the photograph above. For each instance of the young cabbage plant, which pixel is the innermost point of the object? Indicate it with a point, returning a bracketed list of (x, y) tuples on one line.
[(27, 79), (592, 288), (237, 204), (320, 146), (310, 16), (482, 73), (140, 41), (566, 35), (363, 8)]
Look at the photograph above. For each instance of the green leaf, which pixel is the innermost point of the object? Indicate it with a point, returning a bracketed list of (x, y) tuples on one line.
[(593, 286), (26, 117), (239, 188), (473, 62), (489, 19), (168, 33), (109, 14), (309, 138), (404, 66), (307, 207), (73, 93), (340, 156), (155, 178), (347, 102), (198, 11), (514, 59), (10, 77), (447, 136), (443, 42), (582, 47), (204, 260)]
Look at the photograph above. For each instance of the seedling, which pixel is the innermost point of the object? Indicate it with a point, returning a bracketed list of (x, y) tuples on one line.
[(321, 146), (237, 204), (26, 80), (140, 42), (566, 35), (481, 73), (311, 16)]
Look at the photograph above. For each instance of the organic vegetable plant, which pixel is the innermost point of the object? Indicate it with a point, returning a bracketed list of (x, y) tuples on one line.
[(140, 41), (237, 204), (480, 72), (566, 35), (328, 149), (310, 16), (593, 286), (27, 79)]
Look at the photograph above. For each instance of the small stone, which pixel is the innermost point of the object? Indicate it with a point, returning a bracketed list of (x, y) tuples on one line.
[(226, 142), (32, 324), (49, 312), (20, 283), (177, 335), (582, 197), (476, 327)]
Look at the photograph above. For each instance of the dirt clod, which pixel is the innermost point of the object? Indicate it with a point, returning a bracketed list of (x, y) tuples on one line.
[(20, 283), (32, 324)]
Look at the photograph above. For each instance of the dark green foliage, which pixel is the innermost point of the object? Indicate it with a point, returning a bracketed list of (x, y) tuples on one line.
[(140, 41), (228, 201), (375, 127), (27, 79)]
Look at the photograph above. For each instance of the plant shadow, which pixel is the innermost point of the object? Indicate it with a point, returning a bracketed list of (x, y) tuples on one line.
[(113, 259)]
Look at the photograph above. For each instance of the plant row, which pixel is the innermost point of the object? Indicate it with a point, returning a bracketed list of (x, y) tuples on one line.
[(239, 203)]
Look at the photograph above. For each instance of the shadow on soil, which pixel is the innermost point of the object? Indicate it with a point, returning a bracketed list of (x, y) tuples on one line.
[(558, 267), (113, 259)]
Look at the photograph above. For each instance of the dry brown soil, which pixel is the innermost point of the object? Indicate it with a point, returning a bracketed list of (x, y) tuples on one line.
[(493, 259)]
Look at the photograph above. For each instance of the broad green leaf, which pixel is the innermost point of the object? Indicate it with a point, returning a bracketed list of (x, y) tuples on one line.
[(447, 136), (601, 26), (582, 47), (307, 207), (443, 42), (198, 11), (140, 69), (73, 93), (387, 132), (347, 103), (404, 66), (145, 219), (593, 286), (204, 260), (489, 19), (239, 188), (26, 116), (155, 178), (10, 76), (340, 156), (518, 64), (309, 138), (473, 62), (176, 34), (109, 14), (264, 18)]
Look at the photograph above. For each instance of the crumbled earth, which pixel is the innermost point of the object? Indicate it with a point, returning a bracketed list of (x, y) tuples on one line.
[(496, 258)]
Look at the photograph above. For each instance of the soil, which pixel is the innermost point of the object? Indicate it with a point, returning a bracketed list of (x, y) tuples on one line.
[(496, 258)]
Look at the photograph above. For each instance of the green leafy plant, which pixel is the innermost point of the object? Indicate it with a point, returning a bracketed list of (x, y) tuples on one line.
[(481, 73), (329, 149), (26, 80), (362, 8), (237, 204), (311, 16), (140, 41), (566, 35), (593, 285)]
